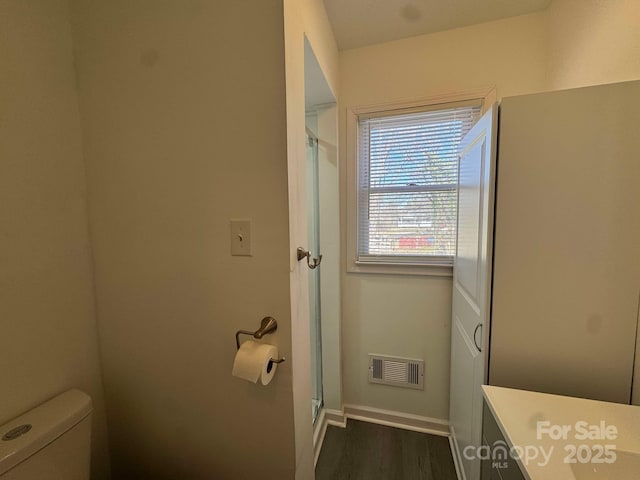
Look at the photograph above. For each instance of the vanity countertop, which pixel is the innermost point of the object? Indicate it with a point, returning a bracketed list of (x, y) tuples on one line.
[(556, 428)]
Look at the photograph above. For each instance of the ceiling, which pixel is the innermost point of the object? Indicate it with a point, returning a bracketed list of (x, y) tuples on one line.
[(357, 23)]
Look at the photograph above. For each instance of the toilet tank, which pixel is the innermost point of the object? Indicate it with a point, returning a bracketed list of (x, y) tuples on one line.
[(50, 442)]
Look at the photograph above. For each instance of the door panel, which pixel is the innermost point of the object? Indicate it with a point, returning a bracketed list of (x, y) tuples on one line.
[(471, 284), (470, 200), (463, 361), (467, 313)]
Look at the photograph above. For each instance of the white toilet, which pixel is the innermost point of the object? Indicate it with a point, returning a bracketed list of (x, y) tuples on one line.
[(50, 442)]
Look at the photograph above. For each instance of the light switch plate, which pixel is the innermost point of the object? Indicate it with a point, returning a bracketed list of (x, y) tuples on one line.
[(241, 237)]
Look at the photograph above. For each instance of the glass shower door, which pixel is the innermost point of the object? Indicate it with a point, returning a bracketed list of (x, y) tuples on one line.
[(313, 234)]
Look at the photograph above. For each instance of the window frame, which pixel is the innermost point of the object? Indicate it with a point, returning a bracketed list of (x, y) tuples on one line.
[(395, 265)]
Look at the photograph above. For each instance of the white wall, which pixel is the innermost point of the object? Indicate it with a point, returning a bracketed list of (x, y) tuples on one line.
[(184, 116), (47, 316), (410, 316), (593, 42)]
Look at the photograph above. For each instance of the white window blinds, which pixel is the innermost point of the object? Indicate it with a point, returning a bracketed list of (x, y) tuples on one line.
[(407, 177)]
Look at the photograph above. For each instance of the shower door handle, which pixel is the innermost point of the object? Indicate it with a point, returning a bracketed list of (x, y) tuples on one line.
[(312, 264)]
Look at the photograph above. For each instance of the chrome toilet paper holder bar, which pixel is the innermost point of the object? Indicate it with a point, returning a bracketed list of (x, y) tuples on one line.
[(267, 325)]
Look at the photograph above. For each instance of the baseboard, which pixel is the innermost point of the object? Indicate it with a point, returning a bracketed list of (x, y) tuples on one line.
[(416, 423), (326, 417), (455, 453), (336, 418), (319, 431)]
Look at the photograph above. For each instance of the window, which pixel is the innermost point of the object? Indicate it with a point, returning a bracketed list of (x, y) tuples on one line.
[(406, 170)]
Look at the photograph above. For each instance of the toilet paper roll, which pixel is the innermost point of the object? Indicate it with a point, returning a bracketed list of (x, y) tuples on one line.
[(252, 362)]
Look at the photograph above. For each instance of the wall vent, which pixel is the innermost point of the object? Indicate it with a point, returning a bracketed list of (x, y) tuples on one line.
[(396, 371)]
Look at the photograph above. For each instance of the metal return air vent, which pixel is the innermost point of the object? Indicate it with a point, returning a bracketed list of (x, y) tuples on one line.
[(396, 371)]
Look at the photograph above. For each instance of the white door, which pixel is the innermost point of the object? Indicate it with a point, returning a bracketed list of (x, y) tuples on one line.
[(471, 290)]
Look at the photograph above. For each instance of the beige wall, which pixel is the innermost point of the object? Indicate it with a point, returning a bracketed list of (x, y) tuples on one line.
[(48, 339), (410, 316), (184, 116), (302, 18), (593, 42)]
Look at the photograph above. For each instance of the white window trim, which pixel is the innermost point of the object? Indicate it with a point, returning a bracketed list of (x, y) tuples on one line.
[(486, 95)]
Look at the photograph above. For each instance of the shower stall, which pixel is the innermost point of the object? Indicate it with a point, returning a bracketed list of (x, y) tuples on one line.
[(315, 309), (323, 238)]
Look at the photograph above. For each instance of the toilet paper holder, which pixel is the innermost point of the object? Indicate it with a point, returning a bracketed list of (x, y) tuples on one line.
[(267, 325)]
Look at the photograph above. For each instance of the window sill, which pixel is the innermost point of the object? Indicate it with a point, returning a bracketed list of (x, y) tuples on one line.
[(390, 268)]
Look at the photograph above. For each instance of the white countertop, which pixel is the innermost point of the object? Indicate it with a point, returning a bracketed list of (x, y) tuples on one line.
[(519, 413)]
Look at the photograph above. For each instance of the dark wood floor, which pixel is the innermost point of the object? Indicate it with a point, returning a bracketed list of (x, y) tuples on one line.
[(365, 451)]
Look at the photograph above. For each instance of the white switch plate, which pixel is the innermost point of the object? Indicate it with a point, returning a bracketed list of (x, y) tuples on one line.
[(241, 237)]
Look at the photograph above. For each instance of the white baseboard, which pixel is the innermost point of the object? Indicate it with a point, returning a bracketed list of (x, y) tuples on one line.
[(326, 417), (456, 457), (390, 418), (336, 418), (407, 421), (319, 431)]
